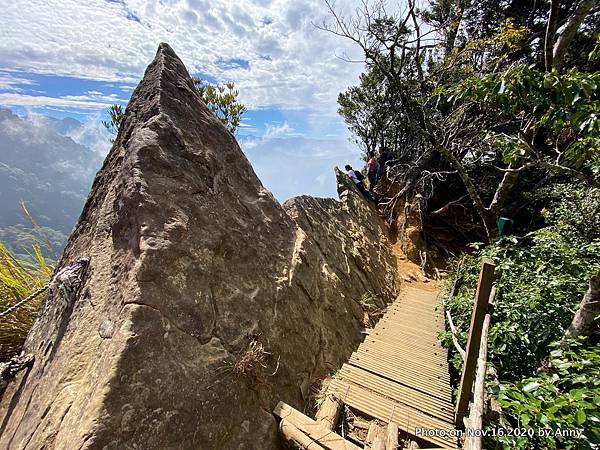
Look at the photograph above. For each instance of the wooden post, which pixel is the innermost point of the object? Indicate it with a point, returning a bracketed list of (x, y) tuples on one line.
[(376, 436), (391, 442), (329, 411), (482, 297), (292, 434), (474, 441), (328, 439)]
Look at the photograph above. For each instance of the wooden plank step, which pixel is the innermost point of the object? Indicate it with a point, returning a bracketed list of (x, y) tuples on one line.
[(409, 367), (406, 351), (418, 329), (439, 390), (428, 350), (415, 314), (427, 332), (350, 390), (424, 303), (428, 353), (417, 307), (398, 360), (398, 392), (375, 405), (410, 380), (407, 341), (415, 318), (401, 304), (430, 295), (410, 312), (316, 431), (414, 335)]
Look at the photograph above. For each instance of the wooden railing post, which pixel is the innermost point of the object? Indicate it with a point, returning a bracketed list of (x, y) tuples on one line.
[(474, 440), (482, 297)]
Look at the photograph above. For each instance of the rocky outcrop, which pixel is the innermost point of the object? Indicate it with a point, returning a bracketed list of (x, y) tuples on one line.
[(189, 301)]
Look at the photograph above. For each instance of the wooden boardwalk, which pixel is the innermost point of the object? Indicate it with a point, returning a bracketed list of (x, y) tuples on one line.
[(400, 372), (398, 375)]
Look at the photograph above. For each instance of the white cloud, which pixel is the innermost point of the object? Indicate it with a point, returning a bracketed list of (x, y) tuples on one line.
[(276, 130), (288, 63), (82, 102), (295, 166), (92, 100), (11, 82)]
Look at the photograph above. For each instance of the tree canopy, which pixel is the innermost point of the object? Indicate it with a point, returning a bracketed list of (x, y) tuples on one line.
[(465, 87)]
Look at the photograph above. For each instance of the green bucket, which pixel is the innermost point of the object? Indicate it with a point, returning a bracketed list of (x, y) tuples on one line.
[(505, 226)]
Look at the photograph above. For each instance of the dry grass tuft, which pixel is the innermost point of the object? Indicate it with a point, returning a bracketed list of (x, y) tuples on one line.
[(373, 307), (253, 360), (18, 279), (321, 394)]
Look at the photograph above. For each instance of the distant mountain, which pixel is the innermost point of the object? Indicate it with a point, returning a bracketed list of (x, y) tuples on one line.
[(90, 134), (50, 164), (51, 173)]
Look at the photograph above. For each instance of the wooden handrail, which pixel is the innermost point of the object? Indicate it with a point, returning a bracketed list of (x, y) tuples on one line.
[(474, 438), (480, 309)]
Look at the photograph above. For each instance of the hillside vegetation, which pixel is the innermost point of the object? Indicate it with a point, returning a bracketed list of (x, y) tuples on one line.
[(482, 111)]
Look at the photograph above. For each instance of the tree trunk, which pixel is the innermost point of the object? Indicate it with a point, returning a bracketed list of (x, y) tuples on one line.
[(585, 322), (569, 31), (455, 21), (550, 33)]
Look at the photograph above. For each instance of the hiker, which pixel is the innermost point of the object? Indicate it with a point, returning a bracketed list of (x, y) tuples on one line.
[(384, 156), (372, 170), (357, 178)]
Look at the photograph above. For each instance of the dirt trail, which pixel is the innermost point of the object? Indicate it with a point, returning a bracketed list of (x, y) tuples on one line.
[(410, 273)]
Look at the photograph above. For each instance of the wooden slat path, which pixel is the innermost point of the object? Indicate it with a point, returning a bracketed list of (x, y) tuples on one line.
[(400, 372)]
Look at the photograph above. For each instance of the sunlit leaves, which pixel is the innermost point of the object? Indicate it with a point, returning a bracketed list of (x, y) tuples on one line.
[(222, 100), (562, 107), (116, 114), (18, 279), (540, 280), (566, 397)]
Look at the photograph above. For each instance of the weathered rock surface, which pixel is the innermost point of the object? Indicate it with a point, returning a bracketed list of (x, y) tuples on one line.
[(192, 260)]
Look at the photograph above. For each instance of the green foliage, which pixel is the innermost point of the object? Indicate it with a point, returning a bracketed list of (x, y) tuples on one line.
[(565, 398), (573, 209), (473, 101), (370, 303), (116, 114), (540, 280), (222, 100), (563, 106), (18, 279)]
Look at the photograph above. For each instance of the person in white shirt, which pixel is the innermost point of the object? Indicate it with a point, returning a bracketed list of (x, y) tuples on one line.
[(357, 178)]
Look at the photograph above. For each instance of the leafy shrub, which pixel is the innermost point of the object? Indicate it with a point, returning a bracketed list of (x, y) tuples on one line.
[(540, 280), (556, 405)]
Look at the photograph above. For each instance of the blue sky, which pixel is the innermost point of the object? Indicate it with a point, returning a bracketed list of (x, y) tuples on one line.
[(74, 58)]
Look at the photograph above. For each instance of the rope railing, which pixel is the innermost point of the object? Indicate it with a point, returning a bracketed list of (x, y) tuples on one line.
[(17, 305)]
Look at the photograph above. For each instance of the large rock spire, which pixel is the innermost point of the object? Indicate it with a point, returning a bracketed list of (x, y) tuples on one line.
[(192, 262)]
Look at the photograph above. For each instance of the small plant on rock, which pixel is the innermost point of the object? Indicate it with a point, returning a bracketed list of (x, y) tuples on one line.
[(251, 361)]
